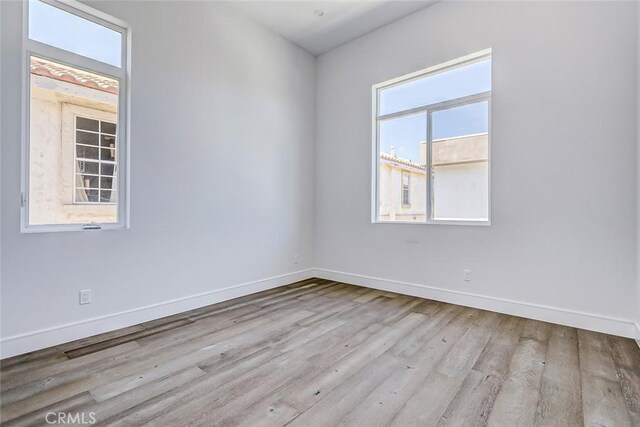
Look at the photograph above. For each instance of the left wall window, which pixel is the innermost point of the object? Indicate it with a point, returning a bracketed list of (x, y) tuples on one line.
[(75, 145)]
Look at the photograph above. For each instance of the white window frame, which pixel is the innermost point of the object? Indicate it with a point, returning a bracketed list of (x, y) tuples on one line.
[(121, 74), (377, 118), (99, 161)]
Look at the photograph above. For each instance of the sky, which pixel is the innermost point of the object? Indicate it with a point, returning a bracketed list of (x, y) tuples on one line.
[(442, 86), (405, 133), (55, 27)]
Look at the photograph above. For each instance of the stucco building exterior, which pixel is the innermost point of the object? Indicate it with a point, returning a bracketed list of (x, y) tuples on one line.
[(460, 181), (72, 149)]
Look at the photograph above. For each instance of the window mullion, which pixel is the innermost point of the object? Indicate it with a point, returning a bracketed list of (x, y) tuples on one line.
[(52, 53), (99, 161), (459, 102), (471, 99)]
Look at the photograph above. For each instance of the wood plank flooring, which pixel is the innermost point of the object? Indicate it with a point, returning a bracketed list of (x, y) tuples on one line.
[(321, 353)]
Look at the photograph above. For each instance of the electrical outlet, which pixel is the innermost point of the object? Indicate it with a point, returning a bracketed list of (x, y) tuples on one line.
[(296, 259), (467, 275), (85, 296)]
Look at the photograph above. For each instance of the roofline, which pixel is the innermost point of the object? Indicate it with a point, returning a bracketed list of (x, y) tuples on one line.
[(71, 75), (459, 137)]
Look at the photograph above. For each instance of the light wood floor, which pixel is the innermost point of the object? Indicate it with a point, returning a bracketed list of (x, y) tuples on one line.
[(320, 353)]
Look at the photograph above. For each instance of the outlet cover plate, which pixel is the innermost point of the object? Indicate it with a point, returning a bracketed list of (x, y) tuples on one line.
[(85, 296)]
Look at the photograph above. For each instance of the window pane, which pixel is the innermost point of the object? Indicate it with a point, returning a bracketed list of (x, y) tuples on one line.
[(67, 106), (92, 195), (107, 169), (107, 127), (81, 196), (108, 141), (82, 151), (460, 151), (402, 154), (105, 196), (442, 86), (86, 138), (89, 181), (465, 120), (106, 183), (86, 124), (107, 154), (64, 30), (88, 167)]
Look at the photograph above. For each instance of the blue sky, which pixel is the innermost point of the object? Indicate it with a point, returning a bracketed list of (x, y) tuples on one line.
[(443, 86), (53, 26), (406, 133)]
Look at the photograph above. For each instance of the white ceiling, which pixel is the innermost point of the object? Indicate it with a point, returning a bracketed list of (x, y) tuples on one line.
[(342, 21)]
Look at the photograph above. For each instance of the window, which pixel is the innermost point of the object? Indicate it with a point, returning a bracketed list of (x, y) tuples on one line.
[(405, 188), (95, 161), (75, 145), (431, 144), (67, 29)]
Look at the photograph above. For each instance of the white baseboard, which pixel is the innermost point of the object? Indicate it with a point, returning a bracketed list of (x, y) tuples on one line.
[(615, 326), (23, 343)]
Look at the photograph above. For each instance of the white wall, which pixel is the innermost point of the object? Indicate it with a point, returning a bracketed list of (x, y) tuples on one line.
[(563, 231), (219, 100), (222, 120)]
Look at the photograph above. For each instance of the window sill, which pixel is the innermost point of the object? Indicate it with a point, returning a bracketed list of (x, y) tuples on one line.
[(439, 222), (91, 204), (55, 228)]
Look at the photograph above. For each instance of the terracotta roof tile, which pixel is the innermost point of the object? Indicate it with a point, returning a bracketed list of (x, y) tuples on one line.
[(401, 161), (42, 67)]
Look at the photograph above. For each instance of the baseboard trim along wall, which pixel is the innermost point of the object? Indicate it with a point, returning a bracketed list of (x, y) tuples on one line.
[(592, 322), (23, 343)]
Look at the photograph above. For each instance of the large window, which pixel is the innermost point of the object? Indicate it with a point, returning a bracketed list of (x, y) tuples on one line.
[(75, 147), (431, 138)]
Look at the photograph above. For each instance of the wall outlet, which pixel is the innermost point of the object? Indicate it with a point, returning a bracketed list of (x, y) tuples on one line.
[(296, 259), (467, 275), (85, 296)]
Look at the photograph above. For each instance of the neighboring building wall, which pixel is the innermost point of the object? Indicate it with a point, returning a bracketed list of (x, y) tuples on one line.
[(45, 156), (54, 105), (461, 177), (461, 191), (460, 181), (391, 207)]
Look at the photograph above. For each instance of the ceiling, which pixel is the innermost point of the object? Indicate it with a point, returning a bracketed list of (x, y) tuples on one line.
[(341, 21)]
